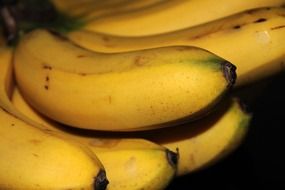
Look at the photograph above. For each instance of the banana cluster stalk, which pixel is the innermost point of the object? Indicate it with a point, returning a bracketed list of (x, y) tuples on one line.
[(172, 15), (35, 158), (129, 91), (250, 40)]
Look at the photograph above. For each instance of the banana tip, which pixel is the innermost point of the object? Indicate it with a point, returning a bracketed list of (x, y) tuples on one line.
[(229, 71), (101, 181), (172, 158)]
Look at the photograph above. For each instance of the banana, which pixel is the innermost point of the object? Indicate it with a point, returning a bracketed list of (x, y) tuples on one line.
[(172, 16), (119, 92), (125, 8), (80, 8), (91, 10), (200, 144), (34, 158), (130, 163), (207, 141), (251, 40)]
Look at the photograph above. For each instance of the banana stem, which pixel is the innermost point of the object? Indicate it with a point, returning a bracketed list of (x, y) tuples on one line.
[(10, 25)]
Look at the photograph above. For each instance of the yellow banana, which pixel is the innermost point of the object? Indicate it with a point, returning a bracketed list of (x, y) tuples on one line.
[(79, 8), (199, 144), (130, 163), (172, 16), (206, 141), (90, 10), (125, 7), (34, 158), (119, 92), (250, 40)]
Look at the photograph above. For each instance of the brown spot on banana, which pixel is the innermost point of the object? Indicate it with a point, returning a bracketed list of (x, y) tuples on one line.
[(140, 60), (281, 14), (237, 27), (35, 141), (45, 66), (81, 56), (46, 86), (105, 38), (277, 27), (48, 130), (82, 74), (260, 20)]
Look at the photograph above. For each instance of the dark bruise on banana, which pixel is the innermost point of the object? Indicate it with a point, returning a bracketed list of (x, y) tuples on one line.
[(47, 78), (260, 20)]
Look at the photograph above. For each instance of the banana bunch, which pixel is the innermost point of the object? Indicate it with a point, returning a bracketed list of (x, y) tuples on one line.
[(32, 157), (36, 155), (135, 95)]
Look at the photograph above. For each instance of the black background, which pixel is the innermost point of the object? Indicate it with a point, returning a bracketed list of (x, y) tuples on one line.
[(259, 162)]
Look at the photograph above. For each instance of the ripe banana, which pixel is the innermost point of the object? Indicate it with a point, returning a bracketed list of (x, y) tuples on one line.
[(251, 40), (172, 16), (78, 8), (204, 142), (125, 8), (91, 10), (34, 158), (119, 92), (130, 163), (200, 144)]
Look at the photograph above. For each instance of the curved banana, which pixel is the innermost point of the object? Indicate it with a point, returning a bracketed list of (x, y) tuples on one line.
[(80, 8), (199, 144), (126, 7), (119, 92), (90, 10), (35, 158), (172, 16), (251, 40), (206, 141), (130, 163)]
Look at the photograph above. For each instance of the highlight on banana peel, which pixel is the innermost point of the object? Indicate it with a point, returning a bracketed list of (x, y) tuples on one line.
[(121, 94)]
